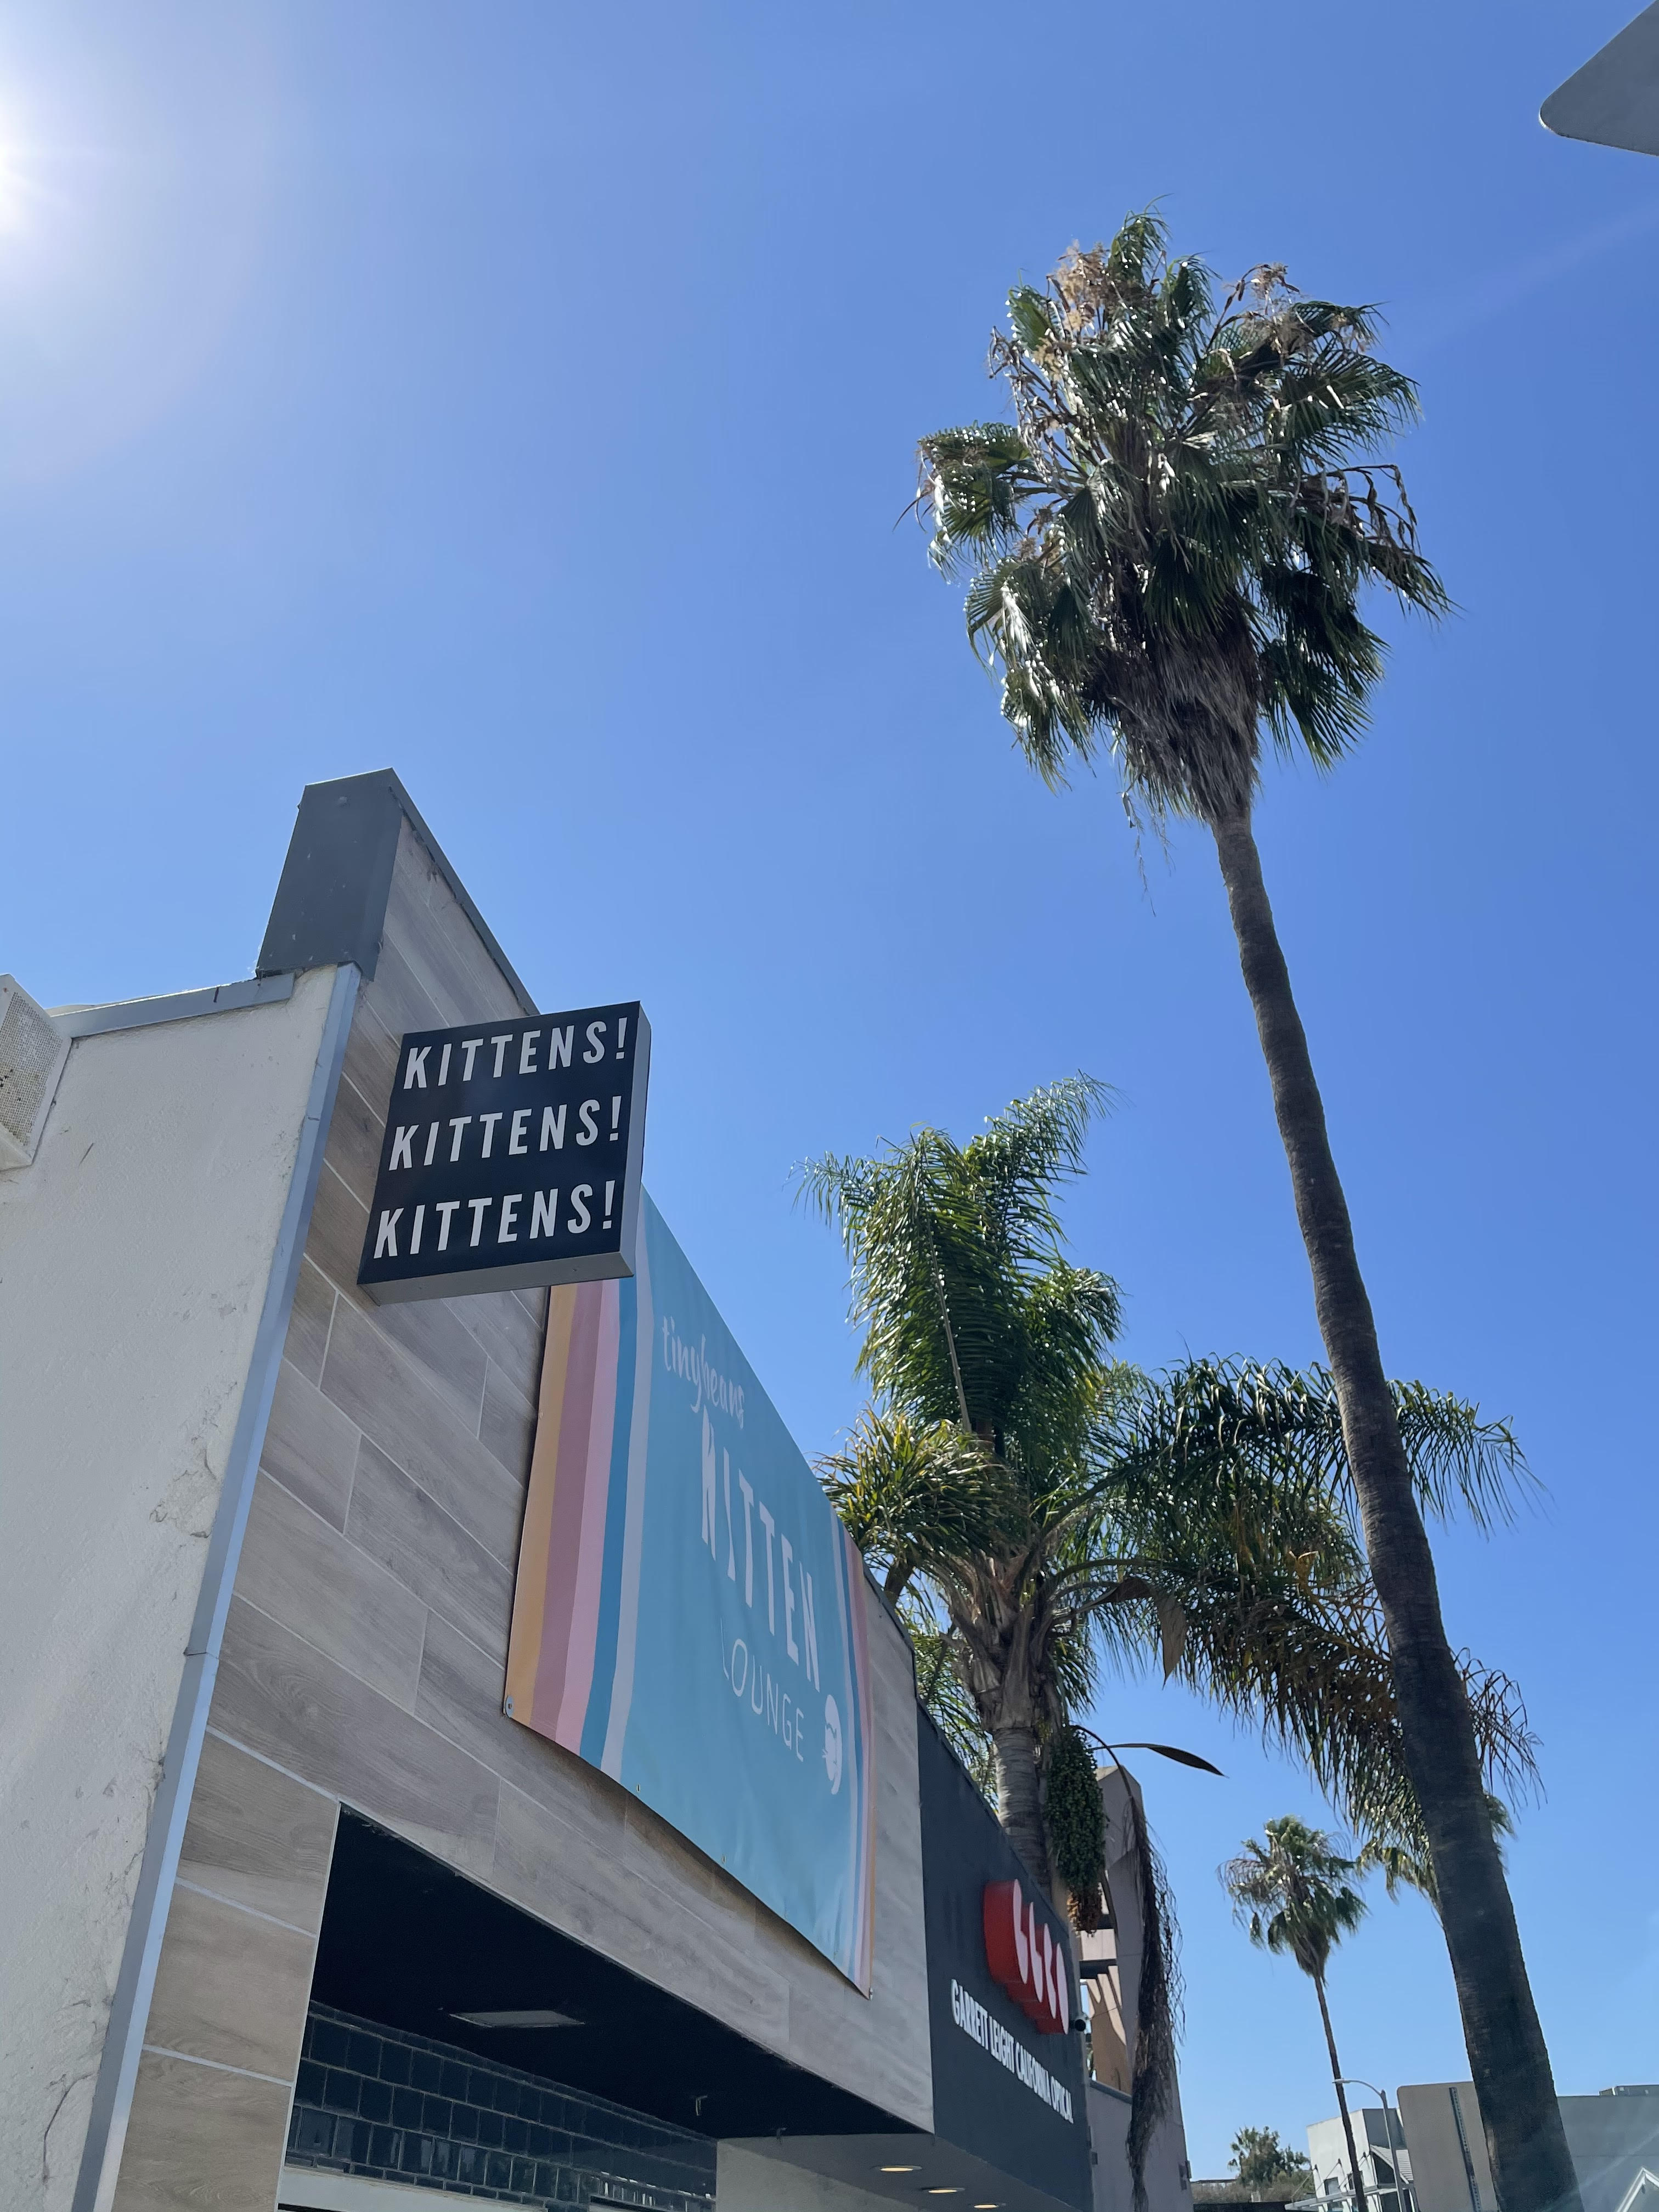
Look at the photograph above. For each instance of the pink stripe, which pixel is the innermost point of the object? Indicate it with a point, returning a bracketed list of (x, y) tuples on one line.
[(596, 1499), (575, 1420), (864, 1944)]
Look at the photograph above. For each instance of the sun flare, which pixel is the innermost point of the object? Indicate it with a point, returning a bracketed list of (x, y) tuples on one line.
[(19, 183)]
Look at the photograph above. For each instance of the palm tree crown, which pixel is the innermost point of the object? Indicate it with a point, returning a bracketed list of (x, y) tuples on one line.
[(1292, 1894), (971, 1309), (1168, 544)]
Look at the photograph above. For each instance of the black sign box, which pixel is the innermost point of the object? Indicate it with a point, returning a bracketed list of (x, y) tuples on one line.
[(511, 1156), (988, 2096)]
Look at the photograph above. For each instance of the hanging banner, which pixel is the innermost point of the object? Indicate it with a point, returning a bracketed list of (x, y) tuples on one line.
[(689, 1615)]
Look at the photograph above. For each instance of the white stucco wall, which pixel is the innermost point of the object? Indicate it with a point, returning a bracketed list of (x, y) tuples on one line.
[(135, 1253)]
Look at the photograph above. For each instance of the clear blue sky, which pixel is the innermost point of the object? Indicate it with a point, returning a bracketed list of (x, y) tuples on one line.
[(524, 396)]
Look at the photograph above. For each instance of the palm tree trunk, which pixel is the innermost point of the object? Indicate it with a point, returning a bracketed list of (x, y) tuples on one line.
[(1354, 2182), (1531, 2163), (1019, 1800)]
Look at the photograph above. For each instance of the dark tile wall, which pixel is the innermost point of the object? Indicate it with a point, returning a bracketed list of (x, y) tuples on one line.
[(372, 2100)]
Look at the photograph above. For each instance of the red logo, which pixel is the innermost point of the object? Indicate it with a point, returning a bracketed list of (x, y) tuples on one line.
[(1025, 1959)]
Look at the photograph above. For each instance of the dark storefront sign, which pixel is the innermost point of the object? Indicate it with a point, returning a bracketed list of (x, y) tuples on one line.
[(1008, 2080), (511, 1156)]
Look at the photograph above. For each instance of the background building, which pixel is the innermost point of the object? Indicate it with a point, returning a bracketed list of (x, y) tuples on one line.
[(1442, 2149), (1385, 2167)]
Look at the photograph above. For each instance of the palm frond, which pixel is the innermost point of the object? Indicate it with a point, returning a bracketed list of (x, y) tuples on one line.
[(1289, 1891), (910, 1493)]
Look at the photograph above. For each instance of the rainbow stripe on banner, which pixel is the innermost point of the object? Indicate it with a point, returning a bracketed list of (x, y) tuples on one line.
[(689, 1613)]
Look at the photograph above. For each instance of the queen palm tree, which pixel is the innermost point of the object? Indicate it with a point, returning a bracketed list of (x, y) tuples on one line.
[(1292, 1894), (1167, 550), (1036, 1507), (1060, 1506)]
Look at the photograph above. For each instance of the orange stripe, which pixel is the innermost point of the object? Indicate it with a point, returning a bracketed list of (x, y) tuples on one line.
[(530, 1591), (583, 1387)]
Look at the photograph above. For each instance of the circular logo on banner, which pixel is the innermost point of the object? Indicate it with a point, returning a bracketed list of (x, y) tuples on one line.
[(832, 1744)]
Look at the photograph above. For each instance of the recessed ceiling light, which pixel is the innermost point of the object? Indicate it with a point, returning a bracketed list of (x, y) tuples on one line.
[(948, 2191), (895, 2169), (532, 2017)]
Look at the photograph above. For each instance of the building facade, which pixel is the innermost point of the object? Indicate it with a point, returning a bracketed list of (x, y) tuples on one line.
[(1614, 2138), (1385, 2165), (1429, 2154), (292, 1909)]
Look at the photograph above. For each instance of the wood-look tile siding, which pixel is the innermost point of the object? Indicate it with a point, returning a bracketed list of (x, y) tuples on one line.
[(202, 2136), (227, 2017), (365, 1649)]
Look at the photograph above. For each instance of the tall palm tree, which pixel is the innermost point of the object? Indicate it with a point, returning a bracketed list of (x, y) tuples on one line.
[(1292, 1894), (1167, 550)]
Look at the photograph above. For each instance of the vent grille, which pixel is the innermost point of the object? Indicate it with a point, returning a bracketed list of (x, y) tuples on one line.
[(32, 1056)]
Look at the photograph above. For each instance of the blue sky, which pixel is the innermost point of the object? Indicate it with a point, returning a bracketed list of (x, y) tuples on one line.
[(525, 397)]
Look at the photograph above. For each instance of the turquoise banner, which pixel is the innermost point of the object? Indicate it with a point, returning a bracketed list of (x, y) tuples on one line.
[(689, 1614)]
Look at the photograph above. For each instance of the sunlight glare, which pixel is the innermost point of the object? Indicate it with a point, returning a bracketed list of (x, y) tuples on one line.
[(18, 184)]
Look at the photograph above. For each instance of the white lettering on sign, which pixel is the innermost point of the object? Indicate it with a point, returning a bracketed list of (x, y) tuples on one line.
[(769, 1525), (482, 1113), (986, 2030), (753, 1685), (776, 1586), (789, 1643), (690, 1363)]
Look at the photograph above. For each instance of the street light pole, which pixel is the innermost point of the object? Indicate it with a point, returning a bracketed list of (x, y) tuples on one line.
[(1401, 2193)]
